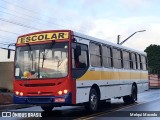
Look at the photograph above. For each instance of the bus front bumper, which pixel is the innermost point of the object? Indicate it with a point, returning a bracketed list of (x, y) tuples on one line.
[(58, 100)]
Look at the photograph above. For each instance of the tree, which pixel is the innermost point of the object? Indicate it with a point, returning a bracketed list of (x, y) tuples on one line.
[(153, 54)]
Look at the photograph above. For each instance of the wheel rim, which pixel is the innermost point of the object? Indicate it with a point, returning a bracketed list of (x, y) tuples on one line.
[(93, 101)]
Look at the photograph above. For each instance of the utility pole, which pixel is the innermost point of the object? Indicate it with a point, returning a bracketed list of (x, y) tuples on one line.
[(118, 37)]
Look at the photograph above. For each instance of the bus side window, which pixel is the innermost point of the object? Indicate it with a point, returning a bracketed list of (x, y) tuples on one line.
[(126, 60), (138, 61), (80, 63), (141, 67), (134, 60), (81, 60), (106, 56), (95, 54), (144, 62), (117, 59)]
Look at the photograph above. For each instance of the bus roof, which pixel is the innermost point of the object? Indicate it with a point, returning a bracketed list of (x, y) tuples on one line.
[(107, 43), (87, 37)]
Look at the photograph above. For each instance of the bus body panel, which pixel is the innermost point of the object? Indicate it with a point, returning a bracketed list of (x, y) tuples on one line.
[(111, 83), (35, 91)]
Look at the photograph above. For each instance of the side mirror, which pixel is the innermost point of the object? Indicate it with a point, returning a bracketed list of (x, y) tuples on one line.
[(78, 50), (9, 53)]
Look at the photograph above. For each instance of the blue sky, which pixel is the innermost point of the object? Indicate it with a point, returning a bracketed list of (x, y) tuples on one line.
[(103, 19)]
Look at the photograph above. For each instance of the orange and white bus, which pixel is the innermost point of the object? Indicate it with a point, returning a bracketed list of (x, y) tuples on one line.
[(63, 68)]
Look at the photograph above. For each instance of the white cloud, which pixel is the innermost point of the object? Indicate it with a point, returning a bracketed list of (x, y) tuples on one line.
[(90, 3), (108, 29), (135, 4)]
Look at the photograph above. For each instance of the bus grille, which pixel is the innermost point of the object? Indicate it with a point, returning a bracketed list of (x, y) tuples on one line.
[(41, 93), (39, 100), (39, 85)]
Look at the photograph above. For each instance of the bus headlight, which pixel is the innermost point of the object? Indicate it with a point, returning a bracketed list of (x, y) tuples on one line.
[(17, 92), (60, 92), (65, 91), (21, 94)]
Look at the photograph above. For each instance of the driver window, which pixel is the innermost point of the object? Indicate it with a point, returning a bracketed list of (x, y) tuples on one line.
[(80, 61)]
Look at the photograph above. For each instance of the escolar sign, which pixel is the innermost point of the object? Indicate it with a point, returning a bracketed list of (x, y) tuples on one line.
[(43, 37)]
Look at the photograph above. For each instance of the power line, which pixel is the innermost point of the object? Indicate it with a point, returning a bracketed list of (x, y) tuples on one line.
[(3, 43), (9, 32), (36, 14), (29, 10), (24, 18), (33, 17), (4, 40), (3, 36), (32, 11), (19, 24)]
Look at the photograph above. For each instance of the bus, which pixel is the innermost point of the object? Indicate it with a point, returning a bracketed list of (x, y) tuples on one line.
[(63, 68)]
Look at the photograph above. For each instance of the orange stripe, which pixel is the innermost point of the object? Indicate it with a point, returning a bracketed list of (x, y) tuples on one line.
[(106, 75)]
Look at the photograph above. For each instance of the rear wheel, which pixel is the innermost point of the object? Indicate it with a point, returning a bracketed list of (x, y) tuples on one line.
[(131, 98), (47, 108), (93, 103)]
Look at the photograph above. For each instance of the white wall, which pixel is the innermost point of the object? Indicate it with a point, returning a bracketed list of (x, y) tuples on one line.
[(4, 55), (6, 75)]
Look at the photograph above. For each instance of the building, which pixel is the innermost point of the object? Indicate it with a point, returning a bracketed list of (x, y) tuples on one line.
[(6, 69)]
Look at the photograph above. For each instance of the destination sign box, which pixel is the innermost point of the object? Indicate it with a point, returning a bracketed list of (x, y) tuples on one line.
[(41, 37)]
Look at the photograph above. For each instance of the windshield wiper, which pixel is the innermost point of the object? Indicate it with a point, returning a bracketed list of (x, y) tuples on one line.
[(45, 54), (30, 53)]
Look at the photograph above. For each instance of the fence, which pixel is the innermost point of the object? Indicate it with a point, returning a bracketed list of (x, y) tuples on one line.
[(154, 80)]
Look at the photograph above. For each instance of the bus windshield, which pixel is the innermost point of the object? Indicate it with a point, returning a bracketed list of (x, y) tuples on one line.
[(42, 61)]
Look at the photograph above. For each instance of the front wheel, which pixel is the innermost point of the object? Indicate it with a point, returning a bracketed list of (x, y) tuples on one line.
[(93, 103), (47, 108)]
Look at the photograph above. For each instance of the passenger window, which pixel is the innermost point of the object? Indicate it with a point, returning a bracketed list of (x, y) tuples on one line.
[(117, 60), (106, 56), (126, 60), (143, 62), (95, 55), (134, 61), (138, 61)]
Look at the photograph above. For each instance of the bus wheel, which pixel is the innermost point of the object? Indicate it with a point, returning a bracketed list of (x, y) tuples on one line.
[(93, 103), (131, 98), (47, 108)]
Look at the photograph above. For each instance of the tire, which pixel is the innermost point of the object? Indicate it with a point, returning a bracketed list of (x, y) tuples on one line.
[(92, 105), (47, 108), (131, 98)]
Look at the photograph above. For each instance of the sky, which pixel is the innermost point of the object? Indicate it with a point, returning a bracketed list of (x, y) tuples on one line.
[(104, 19)]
